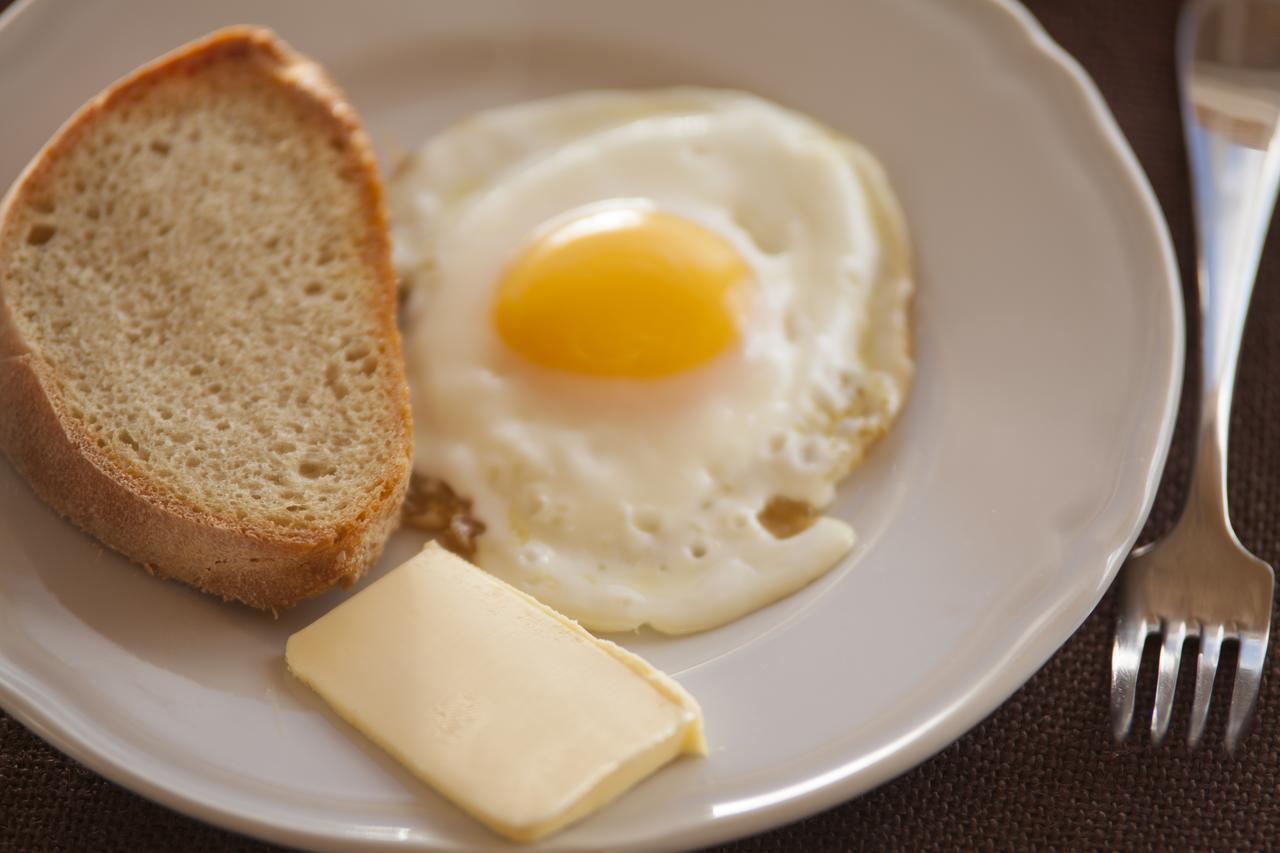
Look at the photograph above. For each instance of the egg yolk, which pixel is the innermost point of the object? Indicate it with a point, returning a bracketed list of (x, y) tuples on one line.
[(623, 293)]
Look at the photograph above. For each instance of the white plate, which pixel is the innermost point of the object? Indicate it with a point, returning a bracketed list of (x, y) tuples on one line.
[(992, 519)]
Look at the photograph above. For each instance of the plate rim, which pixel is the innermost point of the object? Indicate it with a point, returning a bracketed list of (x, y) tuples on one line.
[(61, 729)]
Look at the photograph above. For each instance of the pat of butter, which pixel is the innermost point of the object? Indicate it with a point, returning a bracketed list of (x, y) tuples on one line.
[(511, 710)]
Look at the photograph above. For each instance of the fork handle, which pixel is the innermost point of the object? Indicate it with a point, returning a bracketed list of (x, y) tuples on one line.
[(1234, 175)]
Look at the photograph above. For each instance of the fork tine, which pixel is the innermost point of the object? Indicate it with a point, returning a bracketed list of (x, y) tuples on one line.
[(1244, 696), (1126, 657), (1175, 634), (1206, 671)]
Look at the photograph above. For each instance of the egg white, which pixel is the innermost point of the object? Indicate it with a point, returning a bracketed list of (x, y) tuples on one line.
[(632, 502)]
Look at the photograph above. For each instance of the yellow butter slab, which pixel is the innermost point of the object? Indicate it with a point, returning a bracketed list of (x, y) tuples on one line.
[(514, 712)]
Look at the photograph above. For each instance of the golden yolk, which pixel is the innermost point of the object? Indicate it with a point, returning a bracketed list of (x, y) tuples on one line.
[(623, 293)]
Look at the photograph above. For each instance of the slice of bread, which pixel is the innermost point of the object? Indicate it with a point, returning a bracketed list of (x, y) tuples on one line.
[(199, 362)]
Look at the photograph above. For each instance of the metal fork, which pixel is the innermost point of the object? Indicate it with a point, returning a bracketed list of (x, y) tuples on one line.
[(1199, 581)]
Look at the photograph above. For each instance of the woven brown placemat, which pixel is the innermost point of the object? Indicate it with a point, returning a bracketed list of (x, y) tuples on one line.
[(1042, 771)]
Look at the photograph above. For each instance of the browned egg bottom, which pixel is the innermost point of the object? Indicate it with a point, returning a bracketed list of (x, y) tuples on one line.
[(784, 517), (432, 505)]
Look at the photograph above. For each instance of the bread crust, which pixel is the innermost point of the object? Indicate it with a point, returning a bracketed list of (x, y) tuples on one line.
[(238, 559)]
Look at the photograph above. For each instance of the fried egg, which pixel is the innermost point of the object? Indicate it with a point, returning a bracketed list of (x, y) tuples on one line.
[(647, 333)]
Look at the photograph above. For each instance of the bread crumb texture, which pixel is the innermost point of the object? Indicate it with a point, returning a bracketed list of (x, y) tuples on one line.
[(195, 266)]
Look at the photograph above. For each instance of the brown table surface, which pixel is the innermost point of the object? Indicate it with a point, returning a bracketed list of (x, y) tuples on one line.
[(1042, 770)]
